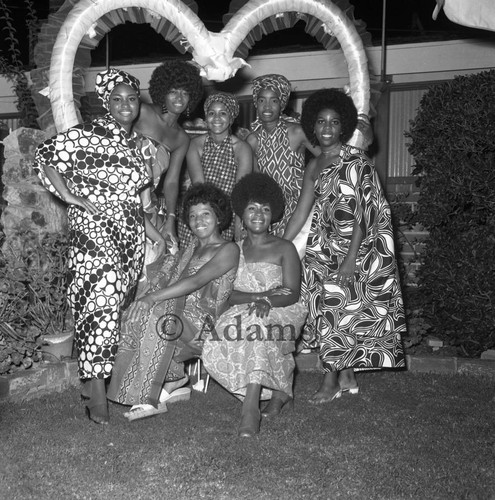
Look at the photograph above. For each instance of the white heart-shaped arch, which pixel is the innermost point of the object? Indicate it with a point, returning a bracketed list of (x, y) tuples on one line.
[(212, 51)]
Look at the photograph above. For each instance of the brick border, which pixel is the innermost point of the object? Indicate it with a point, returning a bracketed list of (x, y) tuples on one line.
[(44, 379), (48, 378)]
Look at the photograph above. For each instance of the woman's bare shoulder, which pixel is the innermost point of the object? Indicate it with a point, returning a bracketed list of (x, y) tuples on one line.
[(198, 141)]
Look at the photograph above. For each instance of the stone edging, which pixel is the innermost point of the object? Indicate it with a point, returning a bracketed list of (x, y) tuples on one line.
[(425, 364), (56, 377)]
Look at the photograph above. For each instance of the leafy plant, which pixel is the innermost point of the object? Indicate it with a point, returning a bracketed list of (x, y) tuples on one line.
[(454, 150), (11, 65), (405, 218), (32, 297)]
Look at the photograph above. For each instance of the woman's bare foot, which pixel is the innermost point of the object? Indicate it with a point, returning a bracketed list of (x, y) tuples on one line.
[(329, 389), (176, 384), (97, 405), (348, 382)]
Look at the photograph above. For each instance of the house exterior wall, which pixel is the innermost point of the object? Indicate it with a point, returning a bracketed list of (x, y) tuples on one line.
[(408, 71)]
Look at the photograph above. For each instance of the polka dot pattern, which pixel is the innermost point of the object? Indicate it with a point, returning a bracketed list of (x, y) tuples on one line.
[(99, 161)]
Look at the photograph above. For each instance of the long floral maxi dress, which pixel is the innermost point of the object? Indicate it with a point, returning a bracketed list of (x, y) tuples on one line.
[(101, 163), (359, 325), (220, 168), (153, 351), (244, 349), (276, 159)]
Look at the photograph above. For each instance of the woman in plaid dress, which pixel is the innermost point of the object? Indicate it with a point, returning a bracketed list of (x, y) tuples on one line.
[(219, 156)]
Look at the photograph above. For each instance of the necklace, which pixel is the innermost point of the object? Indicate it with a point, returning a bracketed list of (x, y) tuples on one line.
[(332, 152)]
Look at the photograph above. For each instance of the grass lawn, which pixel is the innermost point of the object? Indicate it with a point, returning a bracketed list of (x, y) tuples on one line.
[(406, 435)]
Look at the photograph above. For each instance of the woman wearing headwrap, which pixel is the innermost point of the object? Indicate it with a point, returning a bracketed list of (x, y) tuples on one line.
[(175, 89), (278, 142), (98, 171), (219, 156)]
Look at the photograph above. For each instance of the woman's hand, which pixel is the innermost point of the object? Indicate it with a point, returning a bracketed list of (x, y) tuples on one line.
[(260, 306), (346, 272), (139, 307), (280, 290), (161, 246), (72, 199), (168, 232)]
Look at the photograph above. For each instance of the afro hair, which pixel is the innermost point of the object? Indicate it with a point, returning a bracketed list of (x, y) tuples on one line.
[(259, 188), (334, 99), (208, 194), (176, 75)]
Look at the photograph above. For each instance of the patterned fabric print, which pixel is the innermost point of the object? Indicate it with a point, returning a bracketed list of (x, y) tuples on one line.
[(286, 167), (157, 159), (107, 80), (100, 162), (245, 349), (360, 325), (219, 168), (276, 83), (139, 372)]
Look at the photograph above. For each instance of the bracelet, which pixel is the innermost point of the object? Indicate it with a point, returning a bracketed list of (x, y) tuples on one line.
[(267, 300), (171, 215)]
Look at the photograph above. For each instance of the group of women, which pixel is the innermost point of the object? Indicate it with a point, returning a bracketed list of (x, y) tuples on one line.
[(236, 293)]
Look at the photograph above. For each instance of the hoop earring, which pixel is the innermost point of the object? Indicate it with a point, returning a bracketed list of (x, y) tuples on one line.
[(164, 109)]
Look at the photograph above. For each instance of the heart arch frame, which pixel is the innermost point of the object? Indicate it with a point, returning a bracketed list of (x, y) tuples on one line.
[(213, 52)]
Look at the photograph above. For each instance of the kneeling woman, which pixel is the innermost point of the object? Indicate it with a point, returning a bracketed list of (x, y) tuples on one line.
[(164, 327), (250, 350)]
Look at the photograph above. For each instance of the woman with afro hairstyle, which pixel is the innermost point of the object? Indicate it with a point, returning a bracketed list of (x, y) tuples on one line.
[(163, 327), (250, 350), (352, 282), (175, 88)]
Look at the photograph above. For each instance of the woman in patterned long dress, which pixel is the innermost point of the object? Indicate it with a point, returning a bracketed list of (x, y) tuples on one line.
[(353, 286), (167, 325), (97, 170), (218, 156), (278, 142), (250, 349), (175, 89)]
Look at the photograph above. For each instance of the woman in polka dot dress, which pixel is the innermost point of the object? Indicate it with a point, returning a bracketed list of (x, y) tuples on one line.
[(97, 170)]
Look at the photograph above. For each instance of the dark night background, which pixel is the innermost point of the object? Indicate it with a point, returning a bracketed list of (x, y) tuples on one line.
[(408, 21)]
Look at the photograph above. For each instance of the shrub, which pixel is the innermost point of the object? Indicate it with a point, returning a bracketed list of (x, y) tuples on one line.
[(33, 299), (454, 150), (11, 65)]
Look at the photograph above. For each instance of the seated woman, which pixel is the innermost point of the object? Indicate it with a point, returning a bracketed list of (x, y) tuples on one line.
[(218, 156), (250, 350), (164, 327)]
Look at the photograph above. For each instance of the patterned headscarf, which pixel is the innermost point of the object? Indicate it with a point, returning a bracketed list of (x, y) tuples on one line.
[(228, 99), (276, 83), (107, 80)]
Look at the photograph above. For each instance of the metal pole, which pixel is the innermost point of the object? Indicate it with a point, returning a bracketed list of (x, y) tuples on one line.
[(107, 50), (384, 48)]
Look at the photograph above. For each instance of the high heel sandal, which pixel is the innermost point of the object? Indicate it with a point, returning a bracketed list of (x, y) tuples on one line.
[(97, 418), (250, 424), (321, 400), (276, 405), (85, 392), (350, 390)]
